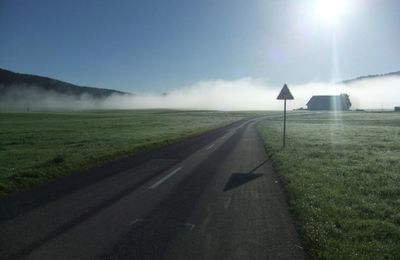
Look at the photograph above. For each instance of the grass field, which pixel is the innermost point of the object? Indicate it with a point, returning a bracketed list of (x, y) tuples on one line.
[(36, 147), (342, 175)]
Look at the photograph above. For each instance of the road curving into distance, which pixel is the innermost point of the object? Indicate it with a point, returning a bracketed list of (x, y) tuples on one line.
[(214, 196)]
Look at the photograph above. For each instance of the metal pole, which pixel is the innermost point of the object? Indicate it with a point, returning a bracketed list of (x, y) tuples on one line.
[(284, 124)]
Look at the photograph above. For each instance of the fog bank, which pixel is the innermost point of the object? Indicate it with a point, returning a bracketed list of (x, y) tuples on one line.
[(240, 94)]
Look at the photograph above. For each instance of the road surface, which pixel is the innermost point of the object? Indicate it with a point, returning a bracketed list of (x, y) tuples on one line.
[(215, 196)]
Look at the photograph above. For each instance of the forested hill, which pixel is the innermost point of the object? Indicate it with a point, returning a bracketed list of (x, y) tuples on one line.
[(391, 74), (11, 81)]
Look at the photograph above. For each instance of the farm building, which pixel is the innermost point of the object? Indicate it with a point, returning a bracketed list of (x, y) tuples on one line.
[(397, 109), (340, 102)]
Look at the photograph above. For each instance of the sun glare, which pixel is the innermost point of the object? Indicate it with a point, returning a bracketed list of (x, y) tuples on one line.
[(330, 10)]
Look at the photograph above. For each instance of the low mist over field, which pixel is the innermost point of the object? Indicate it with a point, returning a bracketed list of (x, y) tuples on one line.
[(253, 94), (240, 94)]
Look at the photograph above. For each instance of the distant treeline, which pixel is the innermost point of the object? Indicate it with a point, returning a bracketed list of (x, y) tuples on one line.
[(11, 81), (397, 73)]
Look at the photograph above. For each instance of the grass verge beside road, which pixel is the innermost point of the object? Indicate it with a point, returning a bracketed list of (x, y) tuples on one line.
[(36, 147), (342, 175)]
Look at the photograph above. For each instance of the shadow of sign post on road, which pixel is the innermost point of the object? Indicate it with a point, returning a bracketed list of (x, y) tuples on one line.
[(238, 179)]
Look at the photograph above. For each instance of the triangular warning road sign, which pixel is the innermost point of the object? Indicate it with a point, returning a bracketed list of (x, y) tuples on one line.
[(285, 93)]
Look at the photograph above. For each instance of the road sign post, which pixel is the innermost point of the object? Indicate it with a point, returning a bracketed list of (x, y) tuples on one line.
[(285, 95)]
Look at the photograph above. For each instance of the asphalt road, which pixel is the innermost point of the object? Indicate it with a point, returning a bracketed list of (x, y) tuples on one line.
[(214, 196)]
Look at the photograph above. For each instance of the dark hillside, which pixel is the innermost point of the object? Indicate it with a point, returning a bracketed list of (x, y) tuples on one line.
[(391, 74), (11, 81)]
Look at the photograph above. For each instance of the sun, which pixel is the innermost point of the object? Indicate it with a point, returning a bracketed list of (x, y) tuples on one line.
[(330, 10)]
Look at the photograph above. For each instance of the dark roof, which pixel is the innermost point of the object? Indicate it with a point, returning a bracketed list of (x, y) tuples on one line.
[(340, 102), (324, 99)]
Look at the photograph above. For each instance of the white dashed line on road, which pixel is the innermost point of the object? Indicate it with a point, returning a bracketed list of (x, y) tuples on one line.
[(190, 226), (135, 221), (166, 177), (209, 147)]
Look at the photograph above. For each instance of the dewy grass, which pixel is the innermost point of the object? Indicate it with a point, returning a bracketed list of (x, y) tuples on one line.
[(342, 175), (36, 147)]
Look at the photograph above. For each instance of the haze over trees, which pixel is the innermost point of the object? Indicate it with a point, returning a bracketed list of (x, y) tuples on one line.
[(24, 92), (11, 81)]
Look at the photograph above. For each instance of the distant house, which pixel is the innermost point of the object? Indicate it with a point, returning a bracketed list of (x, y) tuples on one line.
[(397, 109), (341, 102)]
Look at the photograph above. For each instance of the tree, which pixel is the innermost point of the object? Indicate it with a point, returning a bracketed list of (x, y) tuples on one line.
[(345, 98)]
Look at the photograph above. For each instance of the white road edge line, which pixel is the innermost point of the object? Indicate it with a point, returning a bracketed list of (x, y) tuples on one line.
[(163, 179), (211, 146)]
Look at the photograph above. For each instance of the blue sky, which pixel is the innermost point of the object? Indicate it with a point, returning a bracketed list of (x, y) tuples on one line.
[(157, 46)]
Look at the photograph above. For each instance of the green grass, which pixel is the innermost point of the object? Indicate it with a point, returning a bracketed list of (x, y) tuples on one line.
[(36, 147), (342, 175)]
